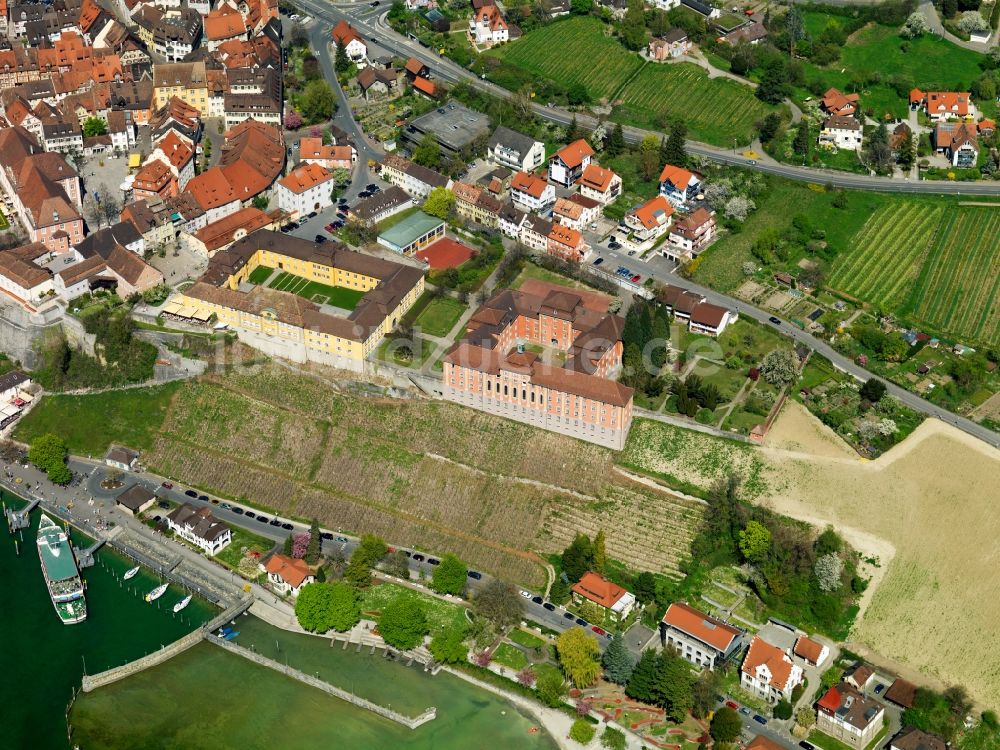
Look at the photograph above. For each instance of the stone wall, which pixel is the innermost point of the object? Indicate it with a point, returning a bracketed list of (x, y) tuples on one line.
[(92, 682)]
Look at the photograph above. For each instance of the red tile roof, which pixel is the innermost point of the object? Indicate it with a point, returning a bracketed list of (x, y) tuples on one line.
[(574, 154), (528, 183), (764, 654), (599, 589), (808, 649), (679, 177), (701, 626), (224, 22), (597, 178), (948, 102), (761, 742), (305, 177), (423, 85), (290, 570), (565, 235), (650, 212), (344, 33)]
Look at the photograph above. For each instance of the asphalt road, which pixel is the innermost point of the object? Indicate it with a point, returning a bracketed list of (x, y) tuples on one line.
[(361, 16)]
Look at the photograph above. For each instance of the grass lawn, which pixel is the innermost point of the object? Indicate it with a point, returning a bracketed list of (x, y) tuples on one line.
[(727, 381), (509, 656), (524, 638), (260, 274), (531, 271), (544, 669), (314, 291), (233, 552), (827, 742), (387, 351), (441, 615), (440, 316), (89, 424), (745, 335)]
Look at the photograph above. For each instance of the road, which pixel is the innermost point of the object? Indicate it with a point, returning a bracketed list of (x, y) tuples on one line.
[(361, 16)]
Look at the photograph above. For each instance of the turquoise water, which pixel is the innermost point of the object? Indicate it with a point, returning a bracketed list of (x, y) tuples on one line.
[(43, 660)]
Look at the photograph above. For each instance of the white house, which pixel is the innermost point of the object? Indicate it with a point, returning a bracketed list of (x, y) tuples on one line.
[(709, 319), (847, 715), (600, 184), (691, 235), (307, 188), (651, 219), (200, 528), (508, 148), (813, 652), (121, 458), (567, 164), (511, 220), (679, 185), (531, 193), (842, 131), (701, 639), (487, 27), (769, 672), (958, 142), (354, 45), (287, 575)]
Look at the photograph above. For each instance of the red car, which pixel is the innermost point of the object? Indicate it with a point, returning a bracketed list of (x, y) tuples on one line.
[(635, 279), (599, 631), (167, 486), (732, 705)]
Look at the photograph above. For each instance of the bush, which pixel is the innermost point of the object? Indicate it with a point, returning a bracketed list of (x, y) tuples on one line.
[(582, 731), (613, 739), (783, 710)]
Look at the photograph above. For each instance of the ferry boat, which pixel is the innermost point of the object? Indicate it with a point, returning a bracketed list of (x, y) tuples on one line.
[(182, 603), (61, 574), (131, 573), (156, 593)]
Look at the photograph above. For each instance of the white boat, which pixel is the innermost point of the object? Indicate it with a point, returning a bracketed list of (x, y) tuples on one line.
[(182, 603), (131, 573), (156, 593)]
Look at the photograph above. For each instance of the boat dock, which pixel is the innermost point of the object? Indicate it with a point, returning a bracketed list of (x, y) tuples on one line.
[(19, 519), (85, 557)]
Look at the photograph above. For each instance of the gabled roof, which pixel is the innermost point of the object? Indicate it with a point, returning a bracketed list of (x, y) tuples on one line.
[(305, 177), (599, 589), (344, 33), (703, 627), (423, 85), (948, 102), (679, 177), (414, 66), (224, 22), (596, 178), (528, 183), (574, 154), (511, 139), (289, 569), (912, 738), (809, 649), (565, 235), (764, 654), (653, 212)]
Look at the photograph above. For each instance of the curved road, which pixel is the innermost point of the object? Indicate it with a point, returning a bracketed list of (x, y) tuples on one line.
[(360, 15)]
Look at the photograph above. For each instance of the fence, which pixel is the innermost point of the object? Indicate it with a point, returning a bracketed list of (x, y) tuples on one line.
[(388, 713)]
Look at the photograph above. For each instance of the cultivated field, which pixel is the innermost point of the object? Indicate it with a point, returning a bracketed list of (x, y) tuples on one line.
[(716, 110), (425, 474), (927, 509), (575, 51), (938, 265)]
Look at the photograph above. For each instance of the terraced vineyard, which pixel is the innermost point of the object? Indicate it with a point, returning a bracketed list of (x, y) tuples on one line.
[(716, 110), (887, 254), (574, 51), (937, 265), (958, 290)]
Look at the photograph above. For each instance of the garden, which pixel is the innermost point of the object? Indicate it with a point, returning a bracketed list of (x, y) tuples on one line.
[(314, 291)]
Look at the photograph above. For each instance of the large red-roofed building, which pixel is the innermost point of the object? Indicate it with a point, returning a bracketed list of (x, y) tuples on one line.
[(701, 639)]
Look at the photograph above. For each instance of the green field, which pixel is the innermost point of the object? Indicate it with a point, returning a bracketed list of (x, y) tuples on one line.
[(440, 316), (260, 274), (574, 51), (716, 110), (130, 417), (441, 615), (510, 657), (314, 291), (937, 264)]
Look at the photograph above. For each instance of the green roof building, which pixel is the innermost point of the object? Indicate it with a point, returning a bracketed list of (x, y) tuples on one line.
[(413, 233)]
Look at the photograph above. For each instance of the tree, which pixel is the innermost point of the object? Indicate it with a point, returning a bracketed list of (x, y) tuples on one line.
[(320, 607), (783, 710), (878, 150), (450, 576), (448, 646), (48, 453), (634, 25), (644, 587), (769, 127), (779, 367), (674, 150), (398, 564), (428, 151), (287, 548), (403, 623), (906, 152), (805, 717), (755, 541), (739, 207), (578, 557), (613, 739), (574, 132), (94, 126), (706, 687), (578, 654), (873, 390), (551, 688), (641, 685), (617, 661), (581, 7), (500, 603), (600, 553), (649, 157), (314, 547), (582, 731), (616, 141), (726, 725), (673, 687), (293, 120), (357, 573), (370, 550), (915, 25), (773, 86), (341, 62), (439, 203), (973, 21), (317, 103), (829, 569), (577, 94), (801, 143)]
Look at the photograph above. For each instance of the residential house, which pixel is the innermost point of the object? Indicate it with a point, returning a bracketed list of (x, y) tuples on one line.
[(378, 83), (23, 280), (577, 211), (14, 385), (567, 243), (414, 178), (307, 188), (200, 528), (600, 184), (699, 638), (531, 193), (122, 458), (899, 136), (691, 235), (760, 742), (187, 81), (673, 44), (768, 672), (312, 151), (176, 34), (709, 319), (679, 185), (487, 27), (650, 220), (958, 142), (425, 87), (153, 219), (512, 220), (986, 127), (355, 47), (911, 738), (595, 588), (508, 148), (220, 234), (811, 651), (224, 24), (841, 131), (860, 676), (944, 105), (416, 69), (476, 204), (135, 500), (177, 154), (846, 715), (381, 206), (567, 164), (835, 103), (535, 233), (287, 575), (154, 179), (752, 33)]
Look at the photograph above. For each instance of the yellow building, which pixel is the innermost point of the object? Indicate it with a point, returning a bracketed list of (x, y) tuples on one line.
[(186, 81), (288, 325)]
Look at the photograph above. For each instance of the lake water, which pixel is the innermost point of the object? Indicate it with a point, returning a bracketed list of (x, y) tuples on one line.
[(43, 660)]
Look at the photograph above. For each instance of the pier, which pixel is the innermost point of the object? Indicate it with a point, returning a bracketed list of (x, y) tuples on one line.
[(18, 519), (411, 722), (85, 557)]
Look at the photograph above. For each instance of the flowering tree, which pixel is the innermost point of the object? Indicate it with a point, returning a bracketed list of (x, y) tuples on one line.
[(828, 569), (526, 677), (739, 208), (886, 427), (482, 658), (916, 25), (972, 21), (293, 120), (582, 707), (300, 543)]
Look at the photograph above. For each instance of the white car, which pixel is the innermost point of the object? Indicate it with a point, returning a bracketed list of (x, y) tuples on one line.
[(526, 594)]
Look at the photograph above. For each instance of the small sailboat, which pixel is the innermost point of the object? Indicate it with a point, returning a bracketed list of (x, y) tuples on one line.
[(131, 573), (156, 593), (182, 603)]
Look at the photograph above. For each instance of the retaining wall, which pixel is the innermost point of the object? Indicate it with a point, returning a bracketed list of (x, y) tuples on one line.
[(92, 682)]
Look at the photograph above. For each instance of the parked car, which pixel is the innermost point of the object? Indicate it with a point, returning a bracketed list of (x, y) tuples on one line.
[(568, 615), (320, 238), (732, 704), (475, 575), (581, 622), (549, 606), (342, 539), (631, 253), (326, 535), (203, 498), (744, 710), (537, 599), (338, 224), (879, 688), (225, 506), (215, 501), (635, 278), (167, 486), (263, 519), (526, 594), (251, 514), (774, 321), (806, 745), (371, 186), (329, 227), (191, 493), (418, 557), (598, 261), (598, 630), (433, 561), (156, 519), (287, 526), (759, 719), (238, 511), (276, 522)]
